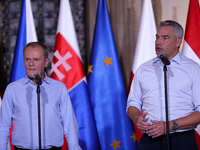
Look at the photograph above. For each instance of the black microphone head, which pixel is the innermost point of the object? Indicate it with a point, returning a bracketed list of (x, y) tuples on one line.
[(160, 55), (164, 59), (37, 78)]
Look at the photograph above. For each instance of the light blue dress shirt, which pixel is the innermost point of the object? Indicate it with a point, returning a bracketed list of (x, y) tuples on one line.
[(57, 116), (183, 87)]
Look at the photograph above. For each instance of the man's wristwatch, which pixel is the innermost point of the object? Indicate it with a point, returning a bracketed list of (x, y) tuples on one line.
[(174, 125)]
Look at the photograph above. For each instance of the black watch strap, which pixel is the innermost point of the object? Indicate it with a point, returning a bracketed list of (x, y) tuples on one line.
[(174, 125)]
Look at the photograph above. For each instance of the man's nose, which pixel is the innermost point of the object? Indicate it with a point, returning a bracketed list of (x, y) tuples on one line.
[(31, 62), (157, 41)]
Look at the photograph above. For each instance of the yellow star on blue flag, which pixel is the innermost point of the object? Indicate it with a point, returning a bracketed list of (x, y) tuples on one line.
[(116, 144), (108, 61), (134, 137), (90, 69)]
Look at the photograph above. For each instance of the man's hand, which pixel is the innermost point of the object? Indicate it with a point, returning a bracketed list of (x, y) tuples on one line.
[(158, 128), (138, 119), (141, 125)]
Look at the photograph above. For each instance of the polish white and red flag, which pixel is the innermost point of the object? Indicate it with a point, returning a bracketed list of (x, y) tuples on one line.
[(67, 67), (191, 44), (145, 46), (9, 145)]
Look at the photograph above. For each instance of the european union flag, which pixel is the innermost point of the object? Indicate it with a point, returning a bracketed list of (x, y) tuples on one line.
[(107, 90)]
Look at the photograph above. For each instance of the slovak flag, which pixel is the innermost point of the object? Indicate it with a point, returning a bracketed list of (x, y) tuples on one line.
[(67, 68), (26, 34), (191, 43), (146, 34)]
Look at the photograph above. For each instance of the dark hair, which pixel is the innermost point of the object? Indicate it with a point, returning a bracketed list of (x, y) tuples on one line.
[(34, 44), (177, 28)]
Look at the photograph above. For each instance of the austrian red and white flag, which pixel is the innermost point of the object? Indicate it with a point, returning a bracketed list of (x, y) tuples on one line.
[(67, 67), (145, 46), (191, 44)]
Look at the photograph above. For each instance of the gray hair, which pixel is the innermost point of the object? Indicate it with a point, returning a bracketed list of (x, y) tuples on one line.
[(177, 28), (34, 44)]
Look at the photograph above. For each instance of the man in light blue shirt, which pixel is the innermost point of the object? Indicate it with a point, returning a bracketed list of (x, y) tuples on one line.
[(148, 95), (20, 106)]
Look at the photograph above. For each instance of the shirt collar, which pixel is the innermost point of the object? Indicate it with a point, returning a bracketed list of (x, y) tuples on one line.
[(46, 79), (156, 60), (176, 59), (26, 80)]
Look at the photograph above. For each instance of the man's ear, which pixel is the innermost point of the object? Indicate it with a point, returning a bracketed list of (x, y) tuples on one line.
[(46, 62), (178, 42)]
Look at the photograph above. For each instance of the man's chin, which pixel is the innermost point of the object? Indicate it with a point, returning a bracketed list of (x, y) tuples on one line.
[(30, 74), (30, 77), (158, 52)]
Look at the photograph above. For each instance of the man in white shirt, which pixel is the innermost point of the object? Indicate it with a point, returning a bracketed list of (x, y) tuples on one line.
[(148, 94)]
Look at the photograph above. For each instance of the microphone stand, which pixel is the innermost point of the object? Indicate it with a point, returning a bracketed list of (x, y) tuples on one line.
[(39, 121), (166, 104)]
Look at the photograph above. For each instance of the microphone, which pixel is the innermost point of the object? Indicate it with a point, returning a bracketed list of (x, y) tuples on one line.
[(164, 59), (37, 78)]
